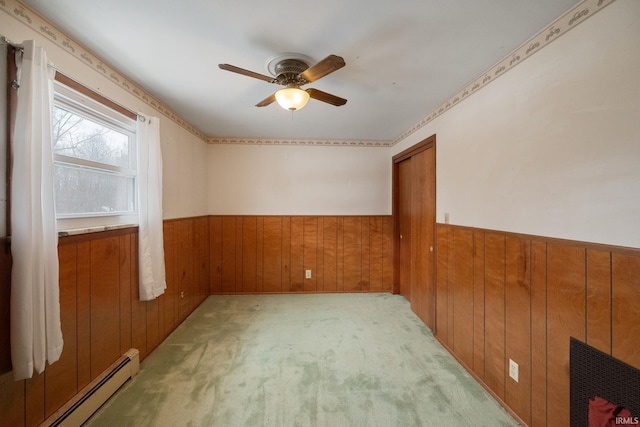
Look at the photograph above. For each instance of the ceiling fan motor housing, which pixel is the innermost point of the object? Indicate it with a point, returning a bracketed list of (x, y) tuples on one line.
[(287, 71)]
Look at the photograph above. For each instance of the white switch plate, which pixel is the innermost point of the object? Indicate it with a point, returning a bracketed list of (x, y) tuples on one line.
[(307, 274), (446, 217), (513, 370)]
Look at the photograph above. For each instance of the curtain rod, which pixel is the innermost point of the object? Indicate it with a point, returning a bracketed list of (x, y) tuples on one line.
[(141, 117)]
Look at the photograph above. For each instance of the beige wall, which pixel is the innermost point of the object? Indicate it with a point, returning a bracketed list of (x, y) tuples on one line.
[(552, 147), (299, 180)]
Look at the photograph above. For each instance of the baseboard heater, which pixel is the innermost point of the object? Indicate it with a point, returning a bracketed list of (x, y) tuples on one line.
[(78, 410)]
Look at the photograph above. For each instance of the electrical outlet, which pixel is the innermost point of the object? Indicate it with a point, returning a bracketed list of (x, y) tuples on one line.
[(307, 274), (513, 370), (181, 294)]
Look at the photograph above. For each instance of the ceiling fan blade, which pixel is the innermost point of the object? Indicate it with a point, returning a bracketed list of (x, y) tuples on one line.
[(328, 65), (268, 100), (244, 72), (326, 97)]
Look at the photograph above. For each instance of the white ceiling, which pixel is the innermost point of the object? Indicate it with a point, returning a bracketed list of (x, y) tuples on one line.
[(404, 58)]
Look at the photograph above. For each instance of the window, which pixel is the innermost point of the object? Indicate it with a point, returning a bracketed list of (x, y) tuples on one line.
[(94, 152)]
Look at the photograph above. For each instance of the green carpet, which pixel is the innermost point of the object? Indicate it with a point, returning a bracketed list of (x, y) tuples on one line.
[(302, 360)]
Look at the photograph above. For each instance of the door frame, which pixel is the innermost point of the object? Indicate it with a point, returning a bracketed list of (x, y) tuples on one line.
[(423, 145)]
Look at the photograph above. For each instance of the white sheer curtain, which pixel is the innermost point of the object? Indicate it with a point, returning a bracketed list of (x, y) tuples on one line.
[(150, 240), (36, 336)]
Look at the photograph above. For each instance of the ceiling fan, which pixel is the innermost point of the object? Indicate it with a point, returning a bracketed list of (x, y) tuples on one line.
[(293, 70)]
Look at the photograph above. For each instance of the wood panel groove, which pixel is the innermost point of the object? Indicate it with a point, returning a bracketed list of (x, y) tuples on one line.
[(478, 304)]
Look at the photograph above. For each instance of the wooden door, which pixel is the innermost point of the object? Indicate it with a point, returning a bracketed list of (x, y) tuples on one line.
[(423, 300), (404, 229), (414, 202)]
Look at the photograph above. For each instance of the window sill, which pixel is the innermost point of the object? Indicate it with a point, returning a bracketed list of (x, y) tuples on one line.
[(87, 230)]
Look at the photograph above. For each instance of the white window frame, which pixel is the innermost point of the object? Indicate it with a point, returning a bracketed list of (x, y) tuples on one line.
[(80, 104)]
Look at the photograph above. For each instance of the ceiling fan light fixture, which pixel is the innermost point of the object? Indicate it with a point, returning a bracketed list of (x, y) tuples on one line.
[(292, 98)]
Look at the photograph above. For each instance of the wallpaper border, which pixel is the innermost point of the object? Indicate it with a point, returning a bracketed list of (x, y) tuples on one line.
[(308, 142)]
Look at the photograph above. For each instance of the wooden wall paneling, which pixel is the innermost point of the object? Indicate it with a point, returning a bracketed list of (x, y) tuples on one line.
[(184, 257), (626, 308), (478, 303), (215, 254), (330, 254), (518, 324), (495, 367), (125, 291), (205, 257), (191, 296), (272, 270), (286, 253), (352, 245), (376, 256), (320, 253), (153, 323), (403, 232), (387, 254), (12, 401), (462, 293), (170, 320), (105, 304), (239, 252), (340, 254), (201, 259), (229, 250), (565, 318), (249, 254), (286, 246), (155, 314), (34, 399), (450, 291), (84, 313), (365, 269), (194, 261), (297, 254), (162, 306), (260, 255), (5, 298), (61, 378), (138, 308), (310, 253), (538, 333), (443, 242), (599, 300)]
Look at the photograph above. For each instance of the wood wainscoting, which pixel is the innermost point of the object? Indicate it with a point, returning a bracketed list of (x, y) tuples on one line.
[(270, 254), (504, 296), (101, 314)]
